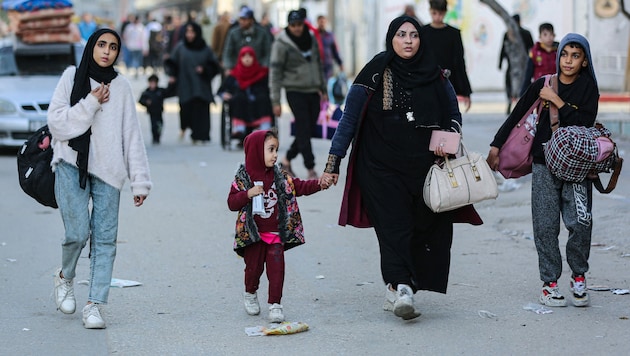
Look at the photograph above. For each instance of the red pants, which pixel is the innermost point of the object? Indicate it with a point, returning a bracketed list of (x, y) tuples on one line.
[(256, 255)]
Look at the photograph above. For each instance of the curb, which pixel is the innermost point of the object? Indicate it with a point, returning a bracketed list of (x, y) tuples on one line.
[(614, 97)]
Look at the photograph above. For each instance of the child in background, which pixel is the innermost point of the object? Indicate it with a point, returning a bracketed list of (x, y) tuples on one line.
[(576, 98), (262, 237), (153, 99), (247, 91), (542, 57)]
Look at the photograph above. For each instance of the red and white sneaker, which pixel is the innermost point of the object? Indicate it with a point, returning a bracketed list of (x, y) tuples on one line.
[(578, 288), (551, 296)]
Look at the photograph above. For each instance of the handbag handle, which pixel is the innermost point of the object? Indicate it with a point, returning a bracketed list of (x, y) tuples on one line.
[(612, 183), (552, 80), (473, 166)]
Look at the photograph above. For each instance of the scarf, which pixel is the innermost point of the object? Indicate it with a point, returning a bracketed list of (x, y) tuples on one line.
[(304, 42), (87, 69), (255, 158), (198, 43), (419, 75), (246, 76)]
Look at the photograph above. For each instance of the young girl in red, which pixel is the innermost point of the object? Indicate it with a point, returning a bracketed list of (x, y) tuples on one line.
[(262, 237), (247, 91)]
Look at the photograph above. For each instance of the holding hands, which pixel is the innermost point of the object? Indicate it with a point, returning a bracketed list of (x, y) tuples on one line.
[(328, 179)]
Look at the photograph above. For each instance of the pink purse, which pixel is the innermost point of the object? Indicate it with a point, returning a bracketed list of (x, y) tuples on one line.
[(515, 159), (448, 140)]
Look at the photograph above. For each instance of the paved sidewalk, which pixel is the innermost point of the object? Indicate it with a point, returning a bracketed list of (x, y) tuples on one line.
[(179, 246)]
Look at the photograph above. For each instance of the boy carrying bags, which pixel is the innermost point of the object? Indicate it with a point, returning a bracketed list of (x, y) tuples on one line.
[(576, 98)]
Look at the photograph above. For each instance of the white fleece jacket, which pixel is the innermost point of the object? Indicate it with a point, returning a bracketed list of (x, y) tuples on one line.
[(117, 149)]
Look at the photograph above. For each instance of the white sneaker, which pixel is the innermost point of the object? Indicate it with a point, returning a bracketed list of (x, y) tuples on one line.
[(64, 294), (390, 298), (92, 317), (275, 313), (390, 301), (251, 303), (551, 296), (403, 306), (578, 289)]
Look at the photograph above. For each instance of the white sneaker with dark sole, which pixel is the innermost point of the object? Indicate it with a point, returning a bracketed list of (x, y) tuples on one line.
[(551, 297), (579, 294)]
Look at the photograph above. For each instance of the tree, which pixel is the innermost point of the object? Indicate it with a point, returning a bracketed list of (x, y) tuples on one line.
[(514, 48)]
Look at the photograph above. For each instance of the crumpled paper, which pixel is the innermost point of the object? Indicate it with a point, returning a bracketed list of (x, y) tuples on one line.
[(284, 328)]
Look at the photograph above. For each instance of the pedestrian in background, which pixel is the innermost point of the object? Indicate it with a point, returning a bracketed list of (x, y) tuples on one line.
[(296, 67), (576, 97), (247, 91), (219, 34), (247, 33), (87, 25), (394, 104), (329, 45), (528, 43), (191, 67), (542, 56), (263, 236), (410, 10), (446, 43), (136, 43), (153, 99), (97, 144)]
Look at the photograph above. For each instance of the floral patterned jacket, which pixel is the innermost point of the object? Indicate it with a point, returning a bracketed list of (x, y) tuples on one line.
[(290, 226)]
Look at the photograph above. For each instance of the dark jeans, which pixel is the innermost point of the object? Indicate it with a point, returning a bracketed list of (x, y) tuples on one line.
[(305, 108), (156, 126)]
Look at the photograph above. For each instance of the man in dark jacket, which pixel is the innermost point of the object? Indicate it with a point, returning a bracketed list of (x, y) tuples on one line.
[(248, 33)]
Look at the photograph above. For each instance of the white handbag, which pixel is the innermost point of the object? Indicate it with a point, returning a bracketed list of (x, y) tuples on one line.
[(459, 182)]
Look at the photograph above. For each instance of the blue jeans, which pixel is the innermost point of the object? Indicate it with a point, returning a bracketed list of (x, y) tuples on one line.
[(100, 225)]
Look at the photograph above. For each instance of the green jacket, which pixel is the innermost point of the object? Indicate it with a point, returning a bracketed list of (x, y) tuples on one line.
[(289, 69)]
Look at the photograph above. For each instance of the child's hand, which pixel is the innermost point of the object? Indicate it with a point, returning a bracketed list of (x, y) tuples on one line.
[(328, 179), (254, 191), (226, 96)]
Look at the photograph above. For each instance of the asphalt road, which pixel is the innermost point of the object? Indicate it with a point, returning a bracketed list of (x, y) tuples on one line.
[(179, 246)]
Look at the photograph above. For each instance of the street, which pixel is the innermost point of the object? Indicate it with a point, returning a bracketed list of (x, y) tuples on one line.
[(179, 246)]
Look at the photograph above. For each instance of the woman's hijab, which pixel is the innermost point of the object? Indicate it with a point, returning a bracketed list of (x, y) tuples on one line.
[(198, 43), (420, 74), (246, 76), (88, 68)]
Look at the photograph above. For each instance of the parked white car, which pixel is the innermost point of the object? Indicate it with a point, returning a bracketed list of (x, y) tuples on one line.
[(28, 77)]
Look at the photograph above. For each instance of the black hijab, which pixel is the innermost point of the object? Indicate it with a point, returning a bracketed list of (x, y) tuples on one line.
[(419, 74), (198, 43), (88, 68)]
